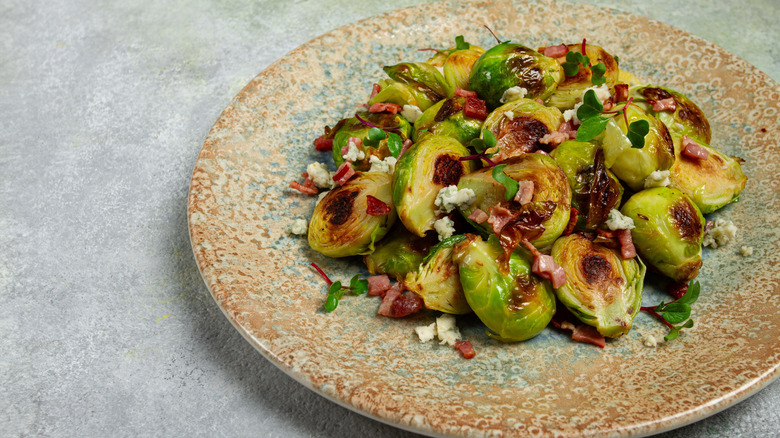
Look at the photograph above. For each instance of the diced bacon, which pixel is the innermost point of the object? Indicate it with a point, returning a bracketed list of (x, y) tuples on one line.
[(304, 189), (568, 129), (621, 93), (378, 284), (545, 267), (465, 348), (406, 145), (380, 107), (556, 51), (588, 334), (627, 249), (691, 149), (343, 173), (323, 144), (465, 93), (475, 108), (677, 290), (525, 192), (499, 217), (573, 214), (375, 90), (608, 105), (357, 140), (387, 301), (540, 101), (663, 104), (406, 304), (478, 216), (554, 138), (375, 207)]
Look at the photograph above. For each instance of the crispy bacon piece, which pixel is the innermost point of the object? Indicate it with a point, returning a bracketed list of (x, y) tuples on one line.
[(380, 107), (668, 104), (554, 138), (499, 217), (556, 51), (627, 249), (303, 188), (375, 207), (588, 334), (387, 300), (465, 93), (677, 290), (621, 93), (323, 144), (573, 214), (343, 173), (378, 284), (478, 216), (475, 108), (406, 304), (375, 90), (545, 267), (525, 192), (691, 149), (465, 348)]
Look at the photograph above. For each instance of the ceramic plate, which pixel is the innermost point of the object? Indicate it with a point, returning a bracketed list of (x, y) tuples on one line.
[(240, 210)]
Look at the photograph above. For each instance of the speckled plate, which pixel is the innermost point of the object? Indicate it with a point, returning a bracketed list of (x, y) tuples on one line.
[(240, 209)]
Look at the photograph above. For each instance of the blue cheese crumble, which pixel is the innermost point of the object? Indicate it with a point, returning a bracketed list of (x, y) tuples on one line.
[(657, 178), (513, 93), (353, 153), (617, 221), (450, 198), (722, 233), (444, 227)]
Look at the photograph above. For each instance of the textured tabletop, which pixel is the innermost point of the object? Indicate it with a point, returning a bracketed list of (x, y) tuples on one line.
[(106, 327)]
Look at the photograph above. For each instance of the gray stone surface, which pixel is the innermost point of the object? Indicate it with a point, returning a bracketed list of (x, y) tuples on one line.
[(106, 327)]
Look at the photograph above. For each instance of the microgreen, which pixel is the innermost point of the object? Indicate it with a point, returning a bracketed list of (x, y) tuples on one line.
[(511, 185), (357, 285), (394, 144), (461, 44), (676, 311), (374, 136), (617, 60), (494, 35), (589, 113), (573, 60), (636, 133), (597, 77), (481, 145)]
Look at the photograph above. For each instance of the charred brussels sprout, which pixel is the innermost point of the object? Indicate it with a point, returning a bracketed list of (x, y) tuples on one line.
[(458, 65), (669, 231), (515, 304), (355, 128), (437, 280), (423, 170), (510, 65), (602, 289), (400, 94), (399, 253), (570, 90), (447, 118), (685, 119), (519, 125), (423, 79), (595, 190), (340, 226)]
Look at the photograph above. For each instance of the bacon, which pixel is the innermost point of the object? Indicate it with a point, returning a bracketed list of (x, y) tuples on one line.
[(406, 304), (375, 90), (588, 334), (554, 138), (568, 129), (691, 149), (378, 284), (621, 93), (540, 101), (556, 51), (478, 216), (323, 144), (465, 93), (573, 214), (499, 217), (375, 207), (525, 192), (304, 189), (465, 348), (677, 290), (608, 105), (475, 108), (627, 249), (387, 300), (406, 145), (385, 107), (343, 173), (545, 267), (663, 105)]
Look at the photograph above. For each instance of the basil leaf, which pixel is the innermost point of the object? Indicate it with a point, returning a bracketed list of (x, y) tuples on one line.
[(394, 144), (461, 44), (597, 76), (510, 184), (591, 128), (637, 132)]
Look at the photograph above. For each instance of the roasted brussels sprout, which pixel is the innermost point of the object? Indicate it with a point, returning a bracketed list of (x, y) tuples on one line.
[(423, 170), (686, 118), (634, 165), (355, 128), (569, 92), (595, 190), (400, 94), (437, 281), (340, 226), (510, 65), (514, 304), (540, 221), (519, 125), (456, 64), (602, 289), (425, 81), (669, 231), (447, 118), (399, 253)]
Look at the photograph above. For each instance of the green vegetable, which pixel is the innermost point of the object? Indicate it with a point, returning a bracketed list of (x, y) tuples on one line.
[(336, 291), (399, 253), (375, 140), (446, 118), (686, 119), (437, 280), (577, 80), (509, 184), (519, 125), (676, 311)]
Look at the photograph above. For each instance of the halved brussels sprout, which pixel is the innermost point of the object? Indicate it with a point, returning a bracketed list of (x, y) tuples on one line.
[(516, 304), (437, 281), (423, 170), (687, 118), (634, 165), (424, 80), (399, 253), (510, 65), (340, 226), (458, 65), (710, 183), (602, 288), (400, 94), (548, 210), (595, 190), (570, 90), (519, 125), (355, 128), (669, 231), (446, 118)]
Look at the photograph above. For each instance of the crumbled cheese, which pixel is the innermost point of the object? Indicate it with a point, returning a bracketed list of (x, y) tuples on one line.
[(387, 165), (602, 94), (746, 251), (657, 178), (571, 114), (513, 93), (616, 221), (509, 115), (353, 153), (445, 227), (450, 198), (721, 234), (299, 227), (319, 173), (426, 332), (649, 341), (446, 330), (411, 113)]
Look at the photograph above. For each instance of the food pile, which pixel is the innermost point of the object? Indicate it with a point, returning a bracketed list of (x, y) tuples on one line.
[(526, 186)]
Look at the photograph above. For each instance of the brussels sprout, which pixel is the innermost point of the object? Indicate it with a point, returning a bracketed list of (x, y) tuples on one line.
[(457, 67), (446, 118), (400, 94), (595, 190), (548, 212), (570, 90), (519, 125), (710, 183), (423, 170), (424, 81), (510, 65), (602, 288), (399, 253), (340, 226), (355, 128), (508, 298), (669, 231), (687, 118), (437, 281), (633, 165)]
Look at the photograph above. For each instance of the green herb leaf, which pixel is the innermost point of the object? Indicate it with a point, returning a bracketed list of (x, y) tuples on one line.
[(489, 138), (376, 134), (597, 76), (571, 68), (357, 285), (637, 132), (480, 145), (617, 60), (675, 313), (692, 294), (591, 128), (461, 44), (572, 65), (591, 106), (335, 292), (394, 144), (510, 184), (675, 331)]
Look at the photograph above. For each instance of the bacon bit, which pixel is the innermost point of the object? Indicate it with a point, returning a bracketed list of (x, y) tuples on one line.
[(554, 138), (556, 51), (375, 90), (357, 140), (540, 101), (525, 192), (406, 304), (663, 105), (583, 48), (406, 145), (568, 129), (499, 217), (621, 93), (465, 93), (323, 144), (375, 207), (465, 348), (608, 105), (385, 107), (387, 300), (378, 284), (573, 214), (691, 149), (606, 238), (545, 267), (304, 189), (478, 216), (677, 290), (475, 108), (343, 173), (627, 249), (588, 334)]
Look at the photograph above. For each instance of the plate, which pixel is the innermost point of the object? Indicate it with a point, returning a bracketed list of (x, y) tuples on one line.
[(240, 209)]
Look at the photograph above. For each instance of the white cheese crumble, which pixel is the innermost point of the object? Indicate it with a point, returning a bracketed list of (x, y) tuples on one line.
[(411, 113), (602, 94), (426, 332), (299, 227), (443, 328), (509, 115), (746, 251), (445, 227), (450, 198), (353, 153), (721, 234), (657, 178), (387, 165), (513, 93), (616, 221), (649, 341), (319, 173)]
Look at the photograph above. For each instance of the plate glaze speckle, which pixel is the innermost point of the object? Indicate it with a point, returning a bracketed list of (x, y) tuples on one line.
[(240, 209)]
